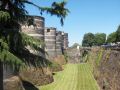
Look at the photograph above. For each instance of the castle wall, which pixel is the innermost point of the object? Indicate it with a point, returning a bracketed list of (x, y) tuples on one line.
[(59, 40), (7, 71), (55, 41), (50, 41), (65, 41), (35, 28)]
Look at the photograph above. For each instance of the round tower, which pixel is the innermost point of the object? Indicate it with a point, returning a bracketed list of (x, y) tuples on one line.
[(59, 44), (50, 41), (34, 26), (65, 40)]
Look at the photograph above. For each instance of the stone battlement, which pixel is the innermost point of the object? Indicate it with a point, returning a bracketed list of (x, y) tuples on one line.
[(55, 41)]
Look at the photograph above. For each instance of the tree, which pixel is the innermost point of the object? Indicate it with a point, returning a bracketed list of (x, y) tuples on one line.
[(1, 76), (111, 38), (12, 13), (15, 9), (118, 34), (88, 40), (100, 38)]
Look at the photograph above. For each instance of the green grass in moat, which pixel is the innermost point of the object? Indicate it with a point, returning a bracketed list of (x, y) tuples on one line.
[(73, 77)]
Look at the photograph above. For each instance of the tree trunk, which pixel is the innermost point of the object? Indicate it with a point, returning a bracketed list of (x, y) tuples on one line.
[(1, 75)]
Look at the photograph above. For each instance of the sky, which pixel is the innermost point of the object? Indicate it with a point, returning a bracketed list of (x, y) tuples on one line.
[(95, 16)]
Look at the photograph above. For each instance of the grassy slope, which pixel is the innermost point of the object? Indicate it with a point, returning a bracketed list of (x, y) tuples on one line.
[(74, 77)]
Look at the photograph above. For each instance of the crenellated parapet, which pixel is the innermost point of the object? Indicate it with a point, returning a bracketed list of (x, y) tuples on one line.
[(34, 26), (55, 41)]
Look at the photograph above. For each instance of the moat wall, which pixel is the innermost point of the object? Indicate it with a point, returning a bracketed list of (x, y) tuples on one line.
[(55, 41), (50, 41), (35, 76), (35, 27), (106, 67)]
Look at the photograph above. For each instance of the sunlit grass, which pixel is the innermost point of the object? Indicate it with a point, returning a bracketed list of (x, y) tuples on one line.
[(74, 77)]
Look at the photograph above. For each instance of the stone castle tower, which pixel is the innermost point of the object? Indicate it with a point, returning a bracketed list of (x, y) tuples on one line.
[(50, 41), (65, 40), (55, 41), (59, 44), (34, 27)]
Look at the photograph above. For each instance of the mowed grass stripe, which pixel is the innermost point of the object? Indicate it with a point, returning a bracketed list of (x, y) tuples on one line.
[(72, 80), (58, 80), (95, 85), (80, 77), (73, 77), (90, 80), (67, 84), (64, 82)]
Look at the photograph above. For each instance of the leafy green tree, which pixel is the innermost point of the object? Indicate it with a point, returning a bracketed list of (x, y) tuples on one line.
[(15, 9), (100, 38), (12, 13), (118, 34), (88, 40), (111, 38)]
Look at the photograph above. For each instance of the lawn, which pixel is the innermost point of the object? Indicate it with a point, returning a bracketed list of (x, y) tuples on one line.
[(73, 77)]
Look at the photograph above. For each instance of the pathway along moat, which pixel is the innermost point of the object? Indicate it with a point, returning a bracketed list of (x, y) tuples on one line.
[(73, 77)]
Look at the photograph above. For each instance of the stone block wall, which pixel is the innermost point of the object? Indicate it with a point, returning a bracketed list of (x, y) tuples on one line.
[(50, 41), (74, 55), (7, 71), (65, 41), (59, 44), (55, 41), (34, 26)]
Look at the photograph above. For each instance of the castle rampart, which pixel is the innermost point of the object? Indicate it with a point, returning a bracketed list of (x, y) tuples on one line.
[(34, 26), (50, 41), (55, 41)]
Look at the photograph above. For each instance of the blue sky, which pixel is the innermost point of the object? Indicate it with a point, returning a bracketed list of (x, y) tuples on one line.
[(86, 16)]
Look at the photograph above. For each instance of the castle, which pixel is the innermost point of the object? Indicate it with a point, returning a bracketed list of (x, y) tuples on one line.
[(55, 41)]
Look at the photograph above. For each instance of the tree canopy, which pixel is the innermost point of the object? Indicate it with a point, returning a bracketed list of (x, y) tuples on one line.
[(111, 38), (100, 38), (12, 13), (91, 39), (88, 40), (118, 34), (14, 10)]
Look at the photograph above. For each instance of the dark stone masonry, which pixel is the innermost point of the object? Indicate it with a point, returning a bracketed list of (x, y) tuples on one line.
[(55, 41)]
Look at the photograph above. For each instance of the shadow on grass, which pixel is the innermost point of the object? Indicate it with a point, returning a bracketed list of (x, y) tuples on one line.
[(53, 73), (29, 86)]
